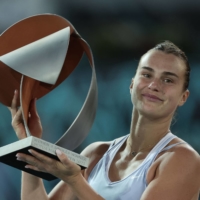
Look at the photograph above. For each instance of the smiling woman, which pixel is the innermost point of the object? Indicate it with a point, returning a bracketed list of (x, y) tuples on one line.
[(160, 78), (149, 163)]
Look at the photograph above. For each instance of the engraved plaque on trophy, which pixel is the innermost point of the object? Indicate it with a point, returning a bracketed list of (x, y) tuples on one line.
[(36, 55)]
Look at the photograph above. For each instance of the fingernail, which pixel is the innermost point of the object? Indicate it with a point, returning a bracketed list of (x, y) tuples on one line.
[(19, 159), (30, 151), (58, 152), (17, 155)]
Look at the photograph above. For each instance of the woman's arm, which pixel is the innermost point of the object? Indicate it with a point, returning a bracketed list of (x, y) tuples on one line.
[(177, 177), (32, 187), (73, 180), (73, 184)]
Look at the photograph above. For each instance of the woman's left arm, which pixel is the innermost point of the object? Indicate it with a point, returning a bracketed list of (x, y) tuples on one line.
[(176, 178), (65, 170)]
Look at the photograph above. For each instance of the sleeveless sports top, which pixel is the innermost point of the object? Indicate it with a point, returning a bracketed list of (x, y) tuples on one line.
[(132, 186)]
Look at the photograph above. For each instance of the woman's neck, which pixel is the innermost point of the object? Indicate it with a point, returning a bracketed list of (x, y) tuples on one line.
[(146, 132)]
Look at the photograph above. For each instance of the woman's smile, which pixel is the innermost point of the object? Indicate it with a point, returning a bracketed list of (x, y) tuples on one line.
[(151, 97)]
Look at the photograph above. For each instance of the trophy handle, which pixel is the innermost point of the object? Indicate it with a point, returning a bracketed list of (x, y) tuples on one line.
[(82, 124)]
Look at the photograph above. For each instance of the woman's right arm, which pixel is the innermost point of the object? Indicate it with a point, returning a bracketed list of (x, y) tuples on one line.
[(32, 187)]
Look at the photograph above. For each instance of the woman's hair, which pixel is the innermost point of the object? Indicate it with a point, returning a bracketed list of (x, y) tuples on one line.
[(170, 48)]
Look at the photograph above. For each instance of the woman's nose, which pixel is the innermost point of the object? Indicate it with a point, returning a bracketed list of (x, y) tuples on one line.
[(154, 85)]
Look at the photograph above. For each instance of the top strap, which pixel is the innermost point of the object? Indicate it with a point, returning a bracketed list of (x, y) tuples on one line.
[(159, 147), (172, 145), (163, 142)]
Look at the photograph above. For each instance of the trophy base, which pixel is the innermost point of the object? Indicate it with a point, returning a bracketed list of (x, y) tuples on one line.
[(8, 155), (10, 159)]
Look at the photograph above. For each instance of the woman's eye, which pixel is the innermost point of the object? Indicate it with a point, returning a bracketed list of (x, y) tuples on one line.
[(168, 80), (147, 75)]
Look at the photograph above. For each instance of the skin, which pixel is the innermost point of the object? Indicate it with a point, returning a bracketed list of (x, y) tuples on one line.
[(156, 92)]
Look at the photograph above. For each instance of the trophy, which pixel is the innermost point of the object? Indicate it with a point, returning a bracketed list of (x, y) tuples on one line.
[(36, 55)]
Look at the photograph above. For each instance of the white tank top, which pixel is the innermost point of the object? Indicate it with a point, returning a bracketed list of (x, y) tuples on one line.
[(132, 186)]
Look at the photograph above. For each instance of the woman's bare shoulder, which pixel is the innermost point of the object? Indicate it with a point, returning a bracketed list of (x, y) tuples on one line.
[(95, 152), (98, 148), (183, 149)]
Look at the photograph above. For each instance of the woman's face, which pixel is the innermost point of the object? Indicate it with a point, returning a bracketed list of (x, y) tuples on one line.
[(157, 89)]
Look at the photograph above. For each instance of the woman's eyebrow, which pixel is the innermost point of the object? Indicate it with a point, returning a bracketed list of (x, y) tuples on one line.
[(148, 68), (164, 73), (170, 74)]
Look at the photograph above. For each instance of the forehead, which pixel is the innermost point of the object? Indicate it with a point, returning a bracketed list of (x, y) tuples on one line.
[(161, 61)]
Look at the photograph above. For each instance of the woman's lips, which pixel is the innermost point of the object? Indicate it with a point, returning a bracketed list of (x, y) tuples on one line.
[(151, 97)]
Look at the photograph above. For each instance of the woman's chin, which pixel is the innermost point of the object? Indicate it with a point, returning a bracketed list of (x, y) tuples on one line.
[(151, 112)]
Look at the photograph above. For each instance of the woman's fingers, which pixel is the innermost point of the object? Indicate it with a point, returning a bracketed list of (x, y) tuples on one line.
[(63, 158), (70, 168), (17, 118), (13, 108), (15, 112), (40, 156), (33, 168), (64, 168), (39, 161), (33, 109), (36, 162), (34, 122)]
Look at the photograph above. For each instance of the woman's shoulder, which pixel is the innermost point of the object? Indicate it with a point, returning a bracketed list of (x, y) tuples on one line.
[(182, 148), (181, 156), (96, 149), (99, 148), (95, 152), (186, 153)]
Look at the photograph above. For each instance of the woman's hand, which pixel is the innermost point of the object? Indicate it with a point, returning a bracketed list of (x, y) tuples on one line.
[(66, 170), (34, 122)]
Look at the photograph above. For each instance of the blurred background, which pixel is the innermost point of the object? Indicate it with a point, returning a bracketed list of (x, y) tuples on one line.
[(119, 32)]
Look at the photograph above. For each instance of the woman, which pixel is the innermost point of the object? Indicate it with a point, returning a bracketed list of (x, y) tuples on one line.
[(148, 164)]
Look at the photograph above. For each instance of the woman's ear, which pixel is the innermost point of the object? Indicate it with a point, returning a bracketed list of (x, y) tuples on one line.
[(184, 98), (131, 85)]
